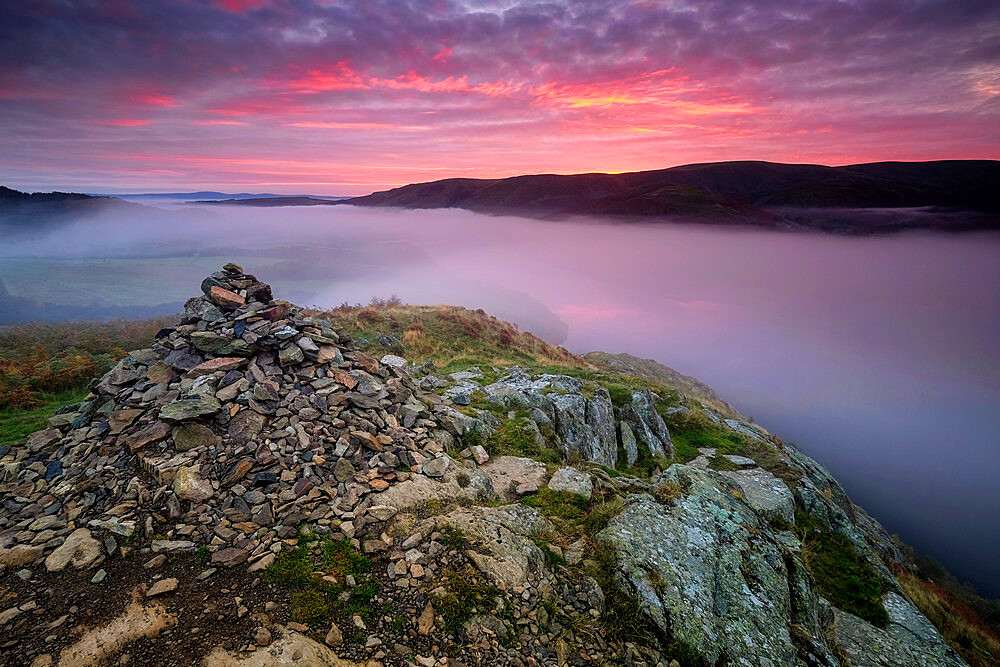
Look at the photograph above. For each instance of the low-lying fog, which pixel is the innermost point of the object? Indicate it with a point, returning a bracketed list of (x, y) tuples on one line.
[(878, 356)]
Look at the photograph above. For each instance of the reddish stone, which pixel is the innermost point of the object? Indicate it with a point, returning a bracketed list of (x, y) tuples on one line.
[(379, 484), (223, 298), (213, 365), (146, 436)]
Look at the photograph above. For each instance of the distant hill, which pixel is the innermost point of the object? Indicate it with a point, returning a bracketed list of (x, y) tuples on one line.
[(952, 194), (22, 211), (270, 201), (215, 196)]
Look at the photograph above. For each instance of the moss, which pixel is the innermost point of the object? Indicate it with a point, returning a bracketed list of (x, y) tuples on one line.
[(621, 616), (601, 514), (691, 429), (341, 559), (454, 537), (466, 594), (290, 569), (310, 607), (841, 575)]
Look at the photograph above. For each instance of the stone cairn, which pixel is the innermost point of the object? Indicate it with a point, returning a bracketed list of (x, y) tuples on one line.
[(235, 426)]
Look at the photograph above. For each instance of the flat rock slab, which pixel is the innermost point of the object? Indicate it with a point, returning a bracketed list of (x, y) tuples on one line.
[(79, 550), (162, 586)]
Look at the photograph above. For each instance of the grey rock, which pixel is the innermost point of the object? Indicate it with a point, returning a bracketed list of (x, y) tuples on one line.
[(190, 407), (571, 480), (707, 569), (765, 493), (908, 639)]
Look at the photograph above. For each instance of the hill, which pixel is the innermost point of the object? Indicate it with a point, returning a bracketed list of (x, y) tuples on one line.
[(25, 213), (261, 484), (950, 195)]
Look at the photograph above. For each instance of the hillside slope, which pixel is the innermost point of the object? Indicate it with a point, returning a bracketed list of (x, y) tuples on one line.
[(257, 487)]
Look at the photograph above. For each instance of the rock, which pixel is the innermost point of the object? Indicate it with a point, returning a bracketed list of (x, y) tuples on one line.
[(188, 485), (765, 493), (343, 470), (190, 407), (334, 637), (172, 546), (571, 480), (122, 419), (705, 559), (20, 554), (382, 512), (508, 473), (290, 355), (629, 443), (395, 361), (506, 535), (191, 436), (236, 472), (225, 299), (99, 577), (79, 550), (214, 365), (426, 620), (908, 639), (436, 467), (479, 453), (262, 637), (162, 586), (647, 424), (246, 426), (42, 440), (153, 433), (230, 557)]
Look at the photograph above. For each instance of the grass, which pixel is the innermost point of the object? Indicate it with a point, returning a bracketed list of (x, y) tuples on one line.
[(16, 425), (841, 575), (453, 338)]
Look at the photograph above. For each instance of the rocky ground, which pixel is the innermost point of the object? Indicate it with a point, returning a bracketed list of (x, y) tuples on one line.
[(251, 489)]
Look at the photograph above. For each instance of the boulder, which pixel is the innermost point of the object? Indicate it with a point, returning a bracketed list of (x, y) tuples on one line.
[(79, 550), (571, 480), (908, 639)]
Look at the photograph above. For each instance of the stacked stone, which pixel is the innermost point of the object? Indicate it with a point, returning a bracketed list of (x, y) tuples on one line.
[(238, 424)]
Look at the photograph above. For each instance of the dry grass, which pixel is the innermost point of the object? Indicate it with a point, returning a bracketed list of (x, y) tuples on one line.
[(959, 624), (452, 337)]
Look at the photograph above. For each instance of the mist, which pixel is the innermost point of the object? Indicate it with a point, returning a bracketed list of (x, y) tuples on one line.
[(877, 356)]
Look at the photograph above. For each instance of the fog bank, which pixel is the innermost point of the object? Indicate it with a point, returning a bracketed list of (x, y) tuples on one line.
[(878, 356)]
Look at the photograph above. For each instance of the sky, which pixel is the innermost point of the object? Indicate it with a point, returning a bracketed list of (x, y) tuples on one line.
[(348, 97)]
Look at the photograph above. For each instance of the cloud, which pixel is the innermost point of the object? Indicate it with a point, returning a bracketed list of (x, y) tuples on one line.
[(496, 88)]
